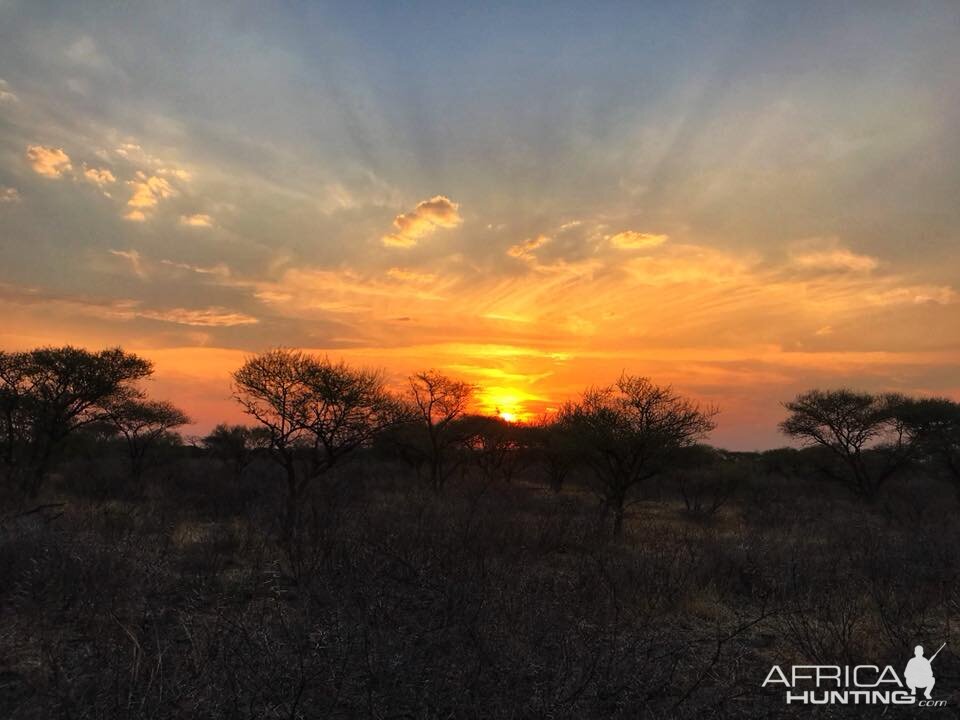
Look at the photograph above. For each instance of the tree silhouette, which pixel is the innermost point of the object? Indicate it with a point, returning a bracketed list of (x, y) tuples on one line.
[(497, 446), (438, 402), (48, 393), (555, 448), (627, 433), (235, 445), (143, 425), (865, 433), (934, 424), (312, 408)]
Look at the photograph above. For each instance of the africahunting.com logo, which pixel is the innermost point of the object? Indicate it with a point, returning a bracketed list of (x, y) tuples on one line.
[(858, 684)]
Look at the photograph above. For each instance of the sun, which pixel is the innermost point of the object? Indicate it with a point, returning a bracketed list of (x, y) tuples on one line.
[(510, 404)]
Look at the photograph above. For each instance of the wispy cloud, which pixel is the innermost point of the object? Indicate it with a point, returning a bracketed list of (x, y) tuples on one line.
[(197, 220), (6, 94), (411, 276), (429, 215), (524, 250), (125, 309), (206, 317), (9, 195), (219, 270), (633, 240), (133, 257), (828, 255)]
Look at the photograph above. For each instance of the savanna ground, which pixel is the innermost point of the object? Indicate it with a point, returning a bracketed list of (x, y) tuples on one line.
[(492, 599)]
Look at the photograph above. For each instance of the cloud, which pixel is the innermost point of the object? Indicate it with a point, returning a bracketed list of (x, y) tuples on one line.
[(83, 51), (6, 95), (134, 258), (48, 161), (524, 250), (633, 240), (916, 295), (147, 192), (196, 220), (125, 309), (219, 270), (837, 259), (100, 177), (273, 296), (827, 254), (207, 317), (127, 149), (9, 195), (178, 173), (412, 276), (437, 212)]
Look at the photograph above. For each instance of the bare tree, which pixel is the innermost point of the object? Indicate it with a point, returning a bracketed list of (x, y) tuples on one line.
[(144, 424), (439, 401), (48, 393), (628, 432), (865, 433), (315, 409)]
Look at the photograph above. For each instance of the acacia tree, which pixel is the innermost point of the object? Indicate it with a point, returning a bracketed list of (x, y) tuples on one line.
[(236, 445), (49, 393), (627, 433), (554, 447), (438, 401), (497, 446), (143, 425), (312, 409), (934, 425), (866, 434)]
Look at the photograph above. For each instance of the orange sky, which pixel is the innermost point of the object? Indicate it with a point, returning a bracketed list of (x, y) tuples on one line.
[(741, 202)]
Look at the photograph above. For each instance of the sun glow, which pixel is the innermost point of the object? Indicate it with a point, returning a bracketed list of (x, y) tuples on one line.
[(510, 404)]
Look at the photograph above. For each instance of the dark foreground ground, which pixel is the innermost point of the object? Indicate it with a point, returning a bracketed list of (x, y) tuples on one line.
[(494, 600)]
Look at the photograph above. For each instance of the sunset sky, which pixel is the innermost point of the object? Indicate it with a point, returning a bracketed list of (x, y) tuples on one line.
[(743, 200)]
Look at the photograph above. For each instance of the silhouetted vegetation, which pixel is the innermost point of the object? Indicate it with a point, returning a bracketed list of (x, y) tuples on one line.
[(359, 553)]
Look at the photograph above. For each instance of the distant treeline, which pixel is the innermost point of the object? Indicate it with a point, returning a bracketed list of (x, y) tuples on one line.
[(310, 413)]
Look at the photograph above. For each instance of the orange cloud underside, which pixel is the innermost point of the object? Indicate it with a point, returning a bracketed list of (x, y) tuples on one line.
[(730, 330)]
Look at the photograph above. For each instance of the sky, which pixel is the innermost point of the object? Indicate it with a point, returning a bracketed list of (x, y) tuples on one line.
[(741, 200)]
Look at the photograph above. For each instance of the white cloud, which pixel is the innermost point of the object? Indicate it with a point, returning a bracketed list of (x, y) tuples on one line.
[(9, 195)]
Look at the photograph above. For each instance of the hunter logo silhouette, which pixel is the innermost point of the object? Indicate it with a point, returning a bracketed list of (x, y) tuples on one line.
[(919, 671)]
